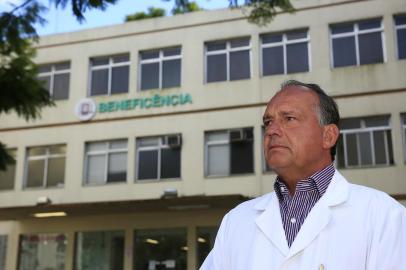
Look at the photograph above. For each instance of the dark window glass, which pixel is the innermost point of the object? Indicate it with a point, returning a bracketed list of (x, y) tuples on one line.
[(35, 176), (239, 43), (170, 163), (390, 148), (119, 83), (216, 68), (149, 55), (61, 86), (99, 250), (160, 249), (365, 148), (148, 164), (7, 176), (370, 24), (100, 61), (379, 145), (297, 58), (149, 76), (172, 52), (350, 123), (171, 73), (352, 156), (46, 82), (239, 65), (215, 46), (271, 38), (401, 36), (62, 66), (340, 152), (44, 68), (342, 28), (376, 121), (296, 35), (121, 58), (400, 19), (56, 172), (242, 160), (370, 48), (117, 169), (99, 82), (272, 61), (344, 52), (206, 237)]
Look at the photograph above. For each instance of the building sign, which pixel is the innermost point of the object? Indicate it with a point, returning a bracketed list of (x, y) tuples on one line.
[(155, 101), (86, 108)]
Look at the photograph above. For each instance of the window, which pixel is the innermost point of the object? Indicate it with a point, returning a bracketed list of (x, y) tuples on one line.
[(403, 119), (45, 166), (42, 251), (7, 176), (206, 237), (365, 142), (106, 162), (160, 249), (160, 68), (400, 26), (229, 152), (159, 157), (285, 53), (228, 60), (109, 75), (99, 250), (357, 43), (3, 251), (56, 79)]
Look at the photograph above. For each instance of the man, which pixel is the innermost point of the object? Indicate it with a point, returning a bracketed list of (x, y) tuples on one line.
[(315, 219)]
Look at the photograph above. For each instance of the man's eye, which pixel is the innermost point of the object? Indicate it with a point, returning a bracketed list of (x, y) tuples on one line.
[(290, 118), (267, 122)]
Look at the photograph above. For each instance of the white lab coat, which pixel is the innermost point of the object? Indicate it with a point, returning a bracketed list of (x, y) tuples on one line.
[(350, 228)]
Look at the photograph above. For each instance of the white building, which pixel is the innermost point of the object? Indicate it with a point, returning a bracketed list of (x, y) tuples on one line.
[(157, 129)]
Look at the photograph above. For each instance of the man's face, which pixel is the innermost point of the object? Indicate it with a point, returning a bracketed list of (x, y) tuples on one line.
[(294, 139)]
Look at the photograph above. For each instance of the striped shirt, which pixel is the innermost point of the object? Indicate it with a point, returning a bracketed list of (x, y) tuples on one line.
[(294, 209)]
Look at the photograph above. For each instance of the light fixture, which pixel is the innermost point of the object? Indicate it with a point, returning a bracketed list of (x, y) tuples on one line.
[(50, 214), (43, 200), (152, 241), (170, 193), (201, 240), (185, 248)]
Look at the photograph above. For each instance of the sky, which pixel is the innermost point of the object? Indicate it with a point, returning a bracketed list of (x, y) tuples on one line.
[(61, 21)]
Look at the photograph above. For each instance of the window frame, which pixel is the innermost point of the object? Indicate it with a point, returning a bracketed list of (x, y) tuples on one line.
[(355, 33), (403, 130), (398, 27), (110, 65), (284, 44), (228, 143), (160, 60), (227, 51), (106, 153), (52, 74), (161, 145), (46, 158), (370, 130)]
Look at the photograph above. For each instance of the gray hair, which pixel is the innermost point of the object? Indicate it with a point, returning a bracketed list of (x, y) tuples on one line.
[(327, 109)]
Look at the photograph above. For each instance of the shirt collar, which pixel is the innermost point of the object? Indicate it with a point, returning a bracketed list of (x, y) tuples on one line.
[(319, 181)]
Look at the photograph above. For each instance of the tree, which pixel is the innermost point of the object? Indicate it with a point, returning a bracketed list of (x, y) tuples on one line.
[(23, 93), (152, 13)]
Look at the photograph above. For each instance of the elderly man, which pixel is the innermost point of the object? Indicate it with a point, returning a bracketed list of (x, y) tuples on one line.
[(315, 219)]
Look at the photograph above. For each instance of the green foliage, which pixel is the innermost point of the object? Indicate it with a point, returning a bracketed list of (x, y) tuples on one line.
[(262, 12), (79, 7), (188, 7), (152, 13)]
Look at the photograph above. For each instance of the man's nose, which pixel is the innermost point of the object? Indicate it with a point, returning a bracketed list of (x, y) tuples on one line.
[(273, 128)]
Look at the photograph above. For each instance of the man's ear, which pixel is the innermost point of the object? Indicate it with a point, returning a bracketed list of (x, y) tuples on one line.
[(330, 135)]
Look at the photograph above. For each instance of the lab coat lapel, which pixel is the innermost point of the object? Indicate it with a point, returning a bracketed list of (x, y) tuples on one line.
[(270, 222), (320, 215)]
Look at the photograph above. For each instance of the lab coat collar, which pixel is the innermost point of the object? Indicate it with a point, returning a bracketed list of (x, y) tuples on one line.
[(270, 221)]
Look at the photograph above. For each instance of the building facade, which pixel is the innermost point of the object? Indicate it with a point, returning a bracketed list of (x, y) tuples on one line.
[(157, 129)]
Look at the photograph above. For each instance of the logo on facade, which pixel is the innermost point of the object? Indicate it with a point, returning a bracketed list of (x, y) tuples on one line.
[(85, 109)]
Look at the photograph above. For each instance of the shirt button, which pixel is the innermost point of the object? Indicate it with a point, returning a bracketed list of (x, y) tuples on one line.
[(293, 220)]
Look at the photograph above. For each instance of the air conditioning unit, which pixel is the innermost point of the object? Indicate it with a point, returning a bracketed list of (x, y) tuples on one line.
[(242, 134), (173, 141)]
